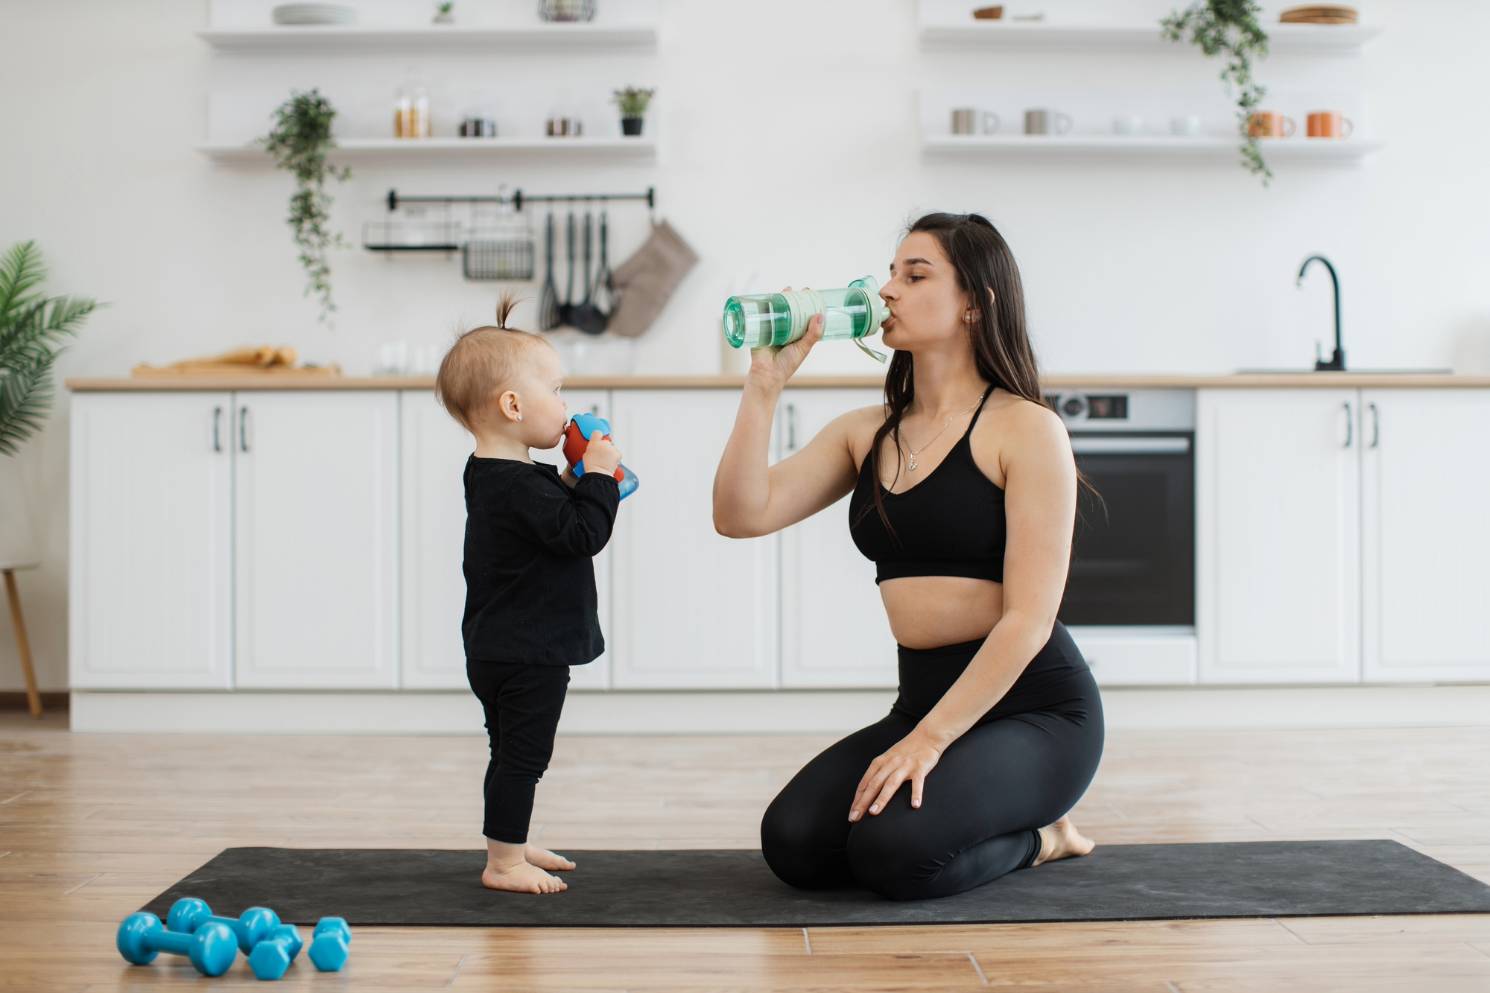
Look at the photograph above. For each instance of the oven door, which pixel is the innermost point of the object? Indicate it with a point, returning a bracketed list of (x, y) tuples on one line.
[(1133, 560)]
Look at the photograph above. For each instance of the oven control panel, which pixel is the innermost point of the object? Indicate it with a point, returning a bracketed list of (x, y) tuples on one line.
[(1129, 410)]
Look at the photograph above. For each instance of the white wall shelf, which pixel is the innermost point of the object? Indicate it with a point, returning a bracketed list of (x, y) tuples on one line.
[(640, 148), (1016, 36), (1085, 146), (433, 38)]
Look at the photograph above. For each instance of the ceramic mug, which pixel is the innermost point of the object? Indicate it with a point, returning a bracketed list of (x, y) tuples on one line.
[(1127, 124), (1041, 120), (1186, 126), (1329, 124), (1270, 124), (970, 120)]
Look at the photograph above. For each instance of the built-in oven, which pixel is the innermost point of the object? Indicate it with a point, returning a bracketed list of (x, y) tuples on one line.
[(1130, 593)]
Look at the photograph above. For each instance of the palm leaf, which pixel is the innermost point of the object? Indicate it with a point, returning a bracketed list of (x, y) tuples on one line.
[(32, 327), (21, 271), (25, 397)]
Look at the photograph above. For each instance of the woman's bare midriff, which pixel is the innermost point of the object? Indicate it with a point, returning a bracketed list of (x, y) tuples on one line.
[(931, 611)]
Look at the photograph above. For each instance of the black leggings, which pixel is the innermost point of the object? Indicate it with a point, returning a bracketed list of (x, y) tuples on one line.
[(522, 704), (1025, 763)]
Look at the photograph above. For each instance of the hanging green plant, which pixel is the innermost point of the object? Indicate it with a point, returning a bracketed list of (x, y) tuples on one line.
[(1230, 27), (32, 326), (299, 142)]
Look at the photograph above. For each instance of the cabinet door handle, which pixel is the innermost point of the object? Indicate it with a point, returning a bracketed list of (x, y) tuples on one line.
[(791, 427), (242, 429), (217, 428), (1349, 425), (1375, 425)]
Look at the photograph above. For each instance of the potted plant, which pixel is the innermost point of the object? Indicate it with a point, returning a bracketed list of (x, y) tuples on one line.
[(1230, 27), (445, 12), (32, 326), (633, 102), (299, 141)]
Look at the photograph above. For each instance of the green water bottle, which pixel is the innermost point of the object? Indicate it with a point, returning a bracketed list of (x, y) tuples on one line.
[(760, 319)]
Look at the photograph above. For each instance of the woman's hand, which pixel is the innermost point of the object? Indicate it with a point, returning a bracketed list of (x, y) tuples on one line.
[(772, 366), (911, 758)]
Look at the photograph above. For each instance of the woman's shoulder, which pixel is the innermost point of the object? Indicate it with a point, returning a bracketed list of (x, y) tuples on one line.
[(1018, 429)]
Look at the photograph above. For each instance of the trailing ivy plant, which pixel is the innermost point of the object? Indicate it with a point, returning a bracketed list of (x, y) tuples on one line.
[(1230, 27), (299, 143), (32, 326)]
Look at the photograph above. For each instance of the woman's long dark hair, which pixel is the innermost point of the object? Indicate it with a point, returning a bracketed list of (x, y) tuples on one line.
[(1000, 337)]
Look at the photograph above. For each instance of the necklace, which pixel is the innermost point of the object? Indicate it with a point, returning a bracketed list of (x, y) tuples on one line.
[(912, 465)]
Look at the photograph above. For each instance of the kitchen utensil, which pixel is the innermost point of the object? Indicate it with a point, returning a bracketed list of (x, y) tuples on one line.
[(971, 120), (1329, 124), (313, 13), (548, 298), (566, 309), (1040, 120), (989, 13), (1270, 124), (586, 317), (604, 292), (1320, 13)]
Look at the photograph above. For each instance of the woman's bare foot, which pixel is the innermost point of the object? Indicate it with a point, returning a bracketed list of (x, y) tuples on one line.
[(521, 877), (545, 859), (1061, 840)]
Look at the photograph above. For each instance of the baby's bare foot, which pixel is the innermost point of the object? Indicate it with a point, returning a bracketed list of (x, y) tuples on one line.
[(545, 859), (1061, 840), (521, 878)]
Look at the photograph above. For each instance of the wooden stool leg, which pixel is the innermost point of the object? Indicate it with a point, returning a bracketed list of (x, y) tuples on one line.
[(14, 596)]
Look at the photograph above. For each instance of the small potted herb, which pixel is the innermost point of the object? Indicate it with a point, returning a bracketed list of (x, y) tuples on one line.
[(445, 12), (1230, 27), (299, 141), (633, 102)]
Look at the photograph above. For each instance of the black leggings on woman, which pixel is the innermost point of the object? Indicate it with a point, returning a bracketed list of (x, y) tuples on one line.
[(1022, 766)]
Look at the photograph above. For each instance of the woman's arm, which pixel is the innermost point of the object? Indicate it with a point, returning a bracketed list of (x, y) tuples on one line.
[(1040, 507), (752, 497)]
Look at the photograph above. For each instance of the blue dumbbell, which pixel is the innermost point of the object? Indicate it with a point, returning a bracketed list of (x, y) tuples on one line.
[(188, 913), (274, 953), (211, 948), (328, 946)]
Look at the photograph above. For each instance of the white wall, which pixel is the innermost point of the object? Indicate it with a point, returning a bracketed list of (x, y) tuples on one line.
[(788, 155)]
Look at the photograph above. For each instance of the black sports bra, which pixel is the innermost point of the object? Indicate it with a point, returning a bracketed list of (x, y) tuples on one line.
[(949, 524)]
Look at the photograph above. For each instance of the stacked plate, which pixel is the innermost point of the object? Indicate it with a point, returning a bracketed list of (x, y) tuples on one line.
[(1320, 13), (314, 13)]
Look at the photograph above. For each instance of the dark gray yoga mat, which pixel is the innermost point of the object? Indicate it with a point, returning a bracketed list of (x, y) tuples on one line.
[(734, 888)]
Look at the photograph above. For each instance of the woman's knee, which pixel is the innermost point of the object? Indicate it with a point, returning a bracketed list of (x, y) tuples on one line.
[(797, 849), (887, 860)]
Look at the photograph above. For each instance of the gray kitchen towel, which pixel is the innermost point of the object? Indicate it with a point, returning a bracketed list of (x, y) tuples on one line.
[(644, 282), (734, 888)]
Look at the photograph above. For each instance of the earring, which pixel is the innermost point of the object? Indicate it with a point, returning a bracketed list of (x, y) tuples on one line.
[(519, 416)]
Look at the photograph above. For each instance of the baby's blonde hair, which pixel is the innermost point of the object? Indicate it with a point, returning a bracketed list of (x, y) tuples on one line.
[(481, 361)]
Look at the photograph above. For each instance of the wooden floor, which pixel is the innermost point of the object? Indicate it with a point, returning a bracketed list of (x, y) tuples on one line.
[(92, 826)]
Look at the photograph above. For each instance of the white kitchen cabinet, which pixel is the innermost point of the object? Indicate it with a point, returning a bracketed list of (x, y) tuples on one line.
[(700, 610), (834, 630), (150, 594), (1425, 534), (435, 449), (1278, 562), (316, 550)]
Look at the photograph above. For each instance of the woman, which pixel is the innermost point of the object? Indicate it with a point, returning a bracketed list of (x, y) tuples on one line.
[(964, 495)]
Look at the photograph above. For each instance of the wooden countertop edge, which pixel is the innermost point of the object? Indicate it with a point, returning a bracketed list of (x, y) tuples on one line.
[(1056, 381)]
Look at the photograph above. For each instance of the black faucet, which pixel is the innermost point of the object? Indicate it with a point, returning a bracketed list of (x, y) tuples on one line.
[(1337, 361)]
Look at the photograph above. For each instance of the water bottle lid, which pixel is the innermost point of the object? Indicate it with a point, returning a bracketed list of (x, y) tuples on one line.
[(878, 311)]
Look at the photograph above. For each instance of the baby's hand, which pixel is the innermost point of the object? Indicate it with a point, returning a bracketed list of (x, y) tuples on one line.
[(567, 477), (602, 457)]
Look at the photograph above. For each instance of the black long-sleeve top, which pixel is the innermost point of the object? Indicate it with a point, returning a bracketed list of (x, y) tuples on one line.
[(530, 581)]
